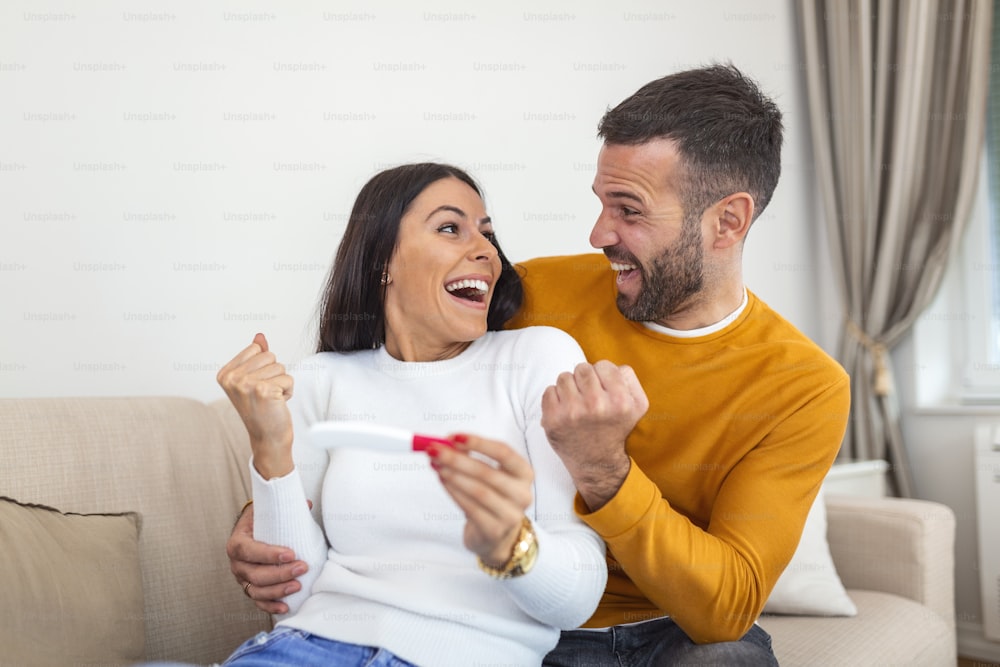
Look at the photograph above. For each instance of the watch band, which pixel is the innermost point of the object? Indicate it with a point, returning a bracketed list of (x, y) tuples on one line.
[(522, 557)]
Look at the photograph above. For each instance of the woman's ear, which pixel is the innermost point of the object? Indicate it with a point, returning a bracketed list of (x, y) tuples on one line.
[(734, 214)]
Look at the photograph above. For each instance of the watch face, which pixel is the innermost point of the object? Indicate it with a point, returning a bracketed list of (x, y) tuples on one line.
[(522, 557)]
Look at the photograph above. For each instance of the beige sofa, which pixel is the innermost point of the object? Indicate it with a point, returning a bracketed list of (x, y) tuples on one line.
[(179, 466)]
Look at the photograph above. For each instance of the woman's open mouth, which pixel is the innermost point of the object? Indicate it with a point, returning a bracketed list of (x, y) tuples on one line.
[(469, 290)]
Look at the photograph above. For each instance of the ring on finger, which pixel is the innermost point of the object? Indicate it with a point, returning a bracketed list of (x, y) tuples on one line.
[(246, 590)]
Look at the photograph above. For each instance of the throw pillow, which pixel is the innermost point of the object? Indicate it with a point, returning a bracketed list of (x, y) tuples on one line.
[(810, 585), (73, 591)]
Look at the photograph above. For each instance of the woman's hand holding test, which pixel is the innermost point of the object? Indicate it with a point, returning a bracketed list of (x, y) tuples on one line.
[(493, 497)]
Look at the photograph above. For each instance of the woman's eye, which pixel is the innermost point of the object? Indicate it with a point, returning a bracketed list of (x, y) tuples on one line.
[(448, 228)]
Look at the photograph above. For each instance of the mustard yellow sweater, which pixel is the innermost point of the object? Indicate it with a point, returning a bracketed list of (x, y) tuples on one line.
[(742, 427)]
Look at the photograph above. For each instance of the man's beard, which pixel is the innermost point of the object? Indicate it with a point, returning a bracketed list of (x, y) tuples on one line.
[(675, 277)]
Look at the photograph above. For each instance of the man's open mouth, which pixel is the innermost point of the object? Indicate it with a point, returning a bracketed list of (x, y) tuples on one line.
[(625, 271)]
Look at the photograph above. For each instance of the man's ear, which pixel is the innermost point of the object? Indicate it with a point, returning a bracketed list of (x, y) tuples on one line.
[(733, 215)]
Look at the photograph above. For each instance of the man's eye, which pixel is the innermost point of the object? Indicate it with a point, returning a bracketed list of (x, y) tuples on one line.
[(626, 211)]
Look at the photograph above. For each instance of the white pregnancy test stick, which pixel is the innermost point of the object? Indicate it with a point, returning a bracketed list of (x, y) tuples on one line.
[(331, 435)]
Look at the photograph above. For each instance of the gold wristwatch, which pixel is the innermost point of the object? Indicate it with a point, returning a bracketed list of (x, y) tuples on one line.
[(522, 558)]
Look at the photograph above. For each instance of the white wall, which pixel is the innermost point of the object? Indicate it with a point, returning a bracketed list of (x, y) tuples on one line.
[(175, 176)]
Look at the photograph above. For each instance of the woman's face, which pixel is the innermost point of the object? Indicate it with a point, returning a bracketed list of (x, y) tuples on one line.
[(443, 272)]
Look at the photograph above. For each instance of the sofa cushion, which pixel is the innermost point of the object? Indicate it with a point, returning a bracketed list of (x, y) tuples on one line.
[(176, 463), (73, 590), (888, 630), (810, 584)]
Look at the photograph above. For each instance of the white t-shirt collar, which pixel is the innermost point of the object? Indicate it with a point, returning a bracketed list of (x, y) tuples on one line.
[(702, 331)]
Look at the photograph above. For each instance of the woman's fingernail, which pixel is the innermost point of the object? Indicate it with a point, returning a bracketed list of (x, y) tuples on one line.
[(433, 451)]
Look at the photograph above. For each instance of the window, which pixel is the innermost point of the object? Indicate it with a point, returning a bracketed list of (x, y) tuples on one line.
[(980, 380), (978, 320), (956, 340)]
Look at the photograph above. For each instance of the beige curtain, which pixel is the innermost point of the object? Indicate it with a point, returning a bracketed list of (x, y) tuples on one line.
[(897, 97)]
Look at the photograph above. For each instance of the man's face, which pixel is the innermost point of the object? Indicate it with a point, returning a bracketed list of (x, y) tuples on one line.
[(656, 249)]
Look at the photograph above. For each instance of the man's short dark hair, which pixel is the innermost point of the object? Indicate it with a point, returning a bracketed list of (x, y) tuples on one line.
[(727, 131)]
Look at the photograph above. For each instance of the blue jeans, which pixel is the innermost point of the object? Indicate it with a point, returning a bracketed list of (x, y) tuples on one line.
[(294, 648), (657, 643)]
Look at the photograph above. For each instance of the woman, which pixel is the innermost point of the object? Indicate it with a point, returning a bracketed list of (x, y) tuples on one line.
[(472, 550)]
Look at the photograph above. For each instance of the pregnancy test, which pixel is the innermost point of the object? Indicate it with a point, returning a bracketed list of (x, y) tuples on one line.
[(333, 435)]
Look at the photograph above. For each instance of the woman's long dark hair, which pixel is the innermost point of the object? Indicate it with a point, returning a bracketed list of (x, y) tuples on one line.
[(352, 308)]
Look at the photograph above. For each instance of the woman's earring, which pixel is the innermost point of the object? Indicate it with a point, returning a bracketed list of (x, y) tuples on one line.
[(386, 278)]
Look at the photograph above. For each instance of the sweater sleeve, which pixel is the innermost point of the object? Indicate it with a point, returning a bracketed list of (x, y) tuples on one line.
[(281, 513), (714, 581), (281, 516), (568, 579)]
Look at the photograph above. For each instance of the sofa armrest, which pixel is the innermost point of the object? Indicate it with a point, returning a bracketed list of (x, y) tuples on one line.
[(895, 545)]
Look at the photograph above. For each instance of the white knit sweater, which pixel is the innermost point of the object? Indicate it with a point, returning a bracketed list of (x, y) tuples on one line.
[(387, 566)]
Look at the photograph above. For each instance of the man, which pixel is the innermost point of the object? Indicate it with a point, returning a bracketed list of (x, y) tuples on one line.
[(701, 498)]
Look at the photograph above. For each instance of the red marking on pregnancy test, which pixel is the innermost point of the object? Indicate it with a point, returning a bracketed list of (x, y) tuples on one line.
[(422, 442)]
